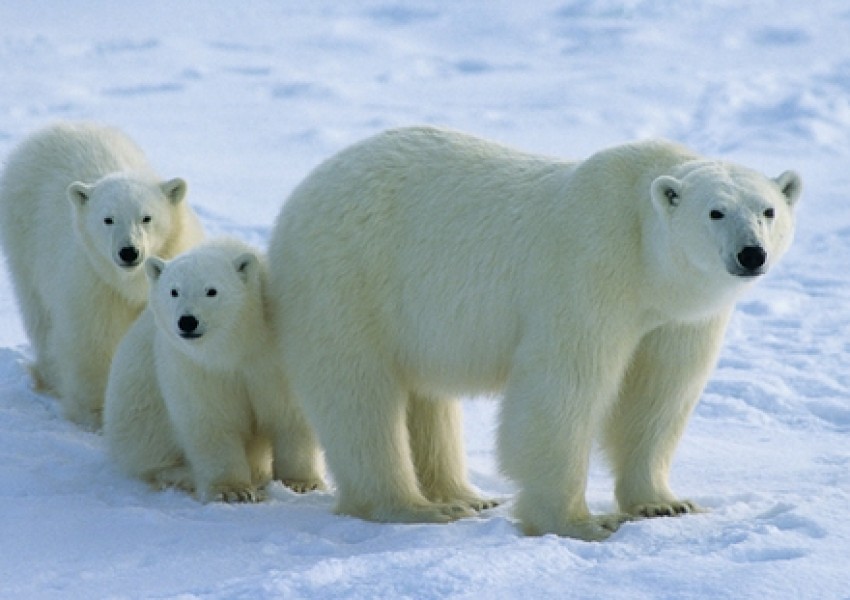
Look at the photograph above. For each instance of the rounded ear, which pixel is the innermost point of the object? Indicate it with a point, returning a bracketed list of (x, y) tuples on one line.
[(154, 266), (245, 265), (174, 189), (79, 193), (666, 193), (791, 186)]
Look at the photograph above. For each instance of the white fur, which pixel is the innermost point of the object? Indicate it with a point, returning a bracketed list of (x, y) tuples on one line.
[(203, 413), (72, 196), (423, 264)]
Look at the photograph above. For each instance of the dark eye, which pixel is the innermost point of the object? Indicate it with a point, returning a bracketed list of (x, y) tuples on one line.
[(108, 221), (146, 219), (716, 215), (769, 213), (174, 293), (212, 292)]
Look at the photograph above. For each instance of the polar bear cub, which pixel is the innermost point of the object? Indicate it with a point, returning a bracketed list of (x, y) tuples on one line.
[(195, 396), (423, 264), (80, 210)]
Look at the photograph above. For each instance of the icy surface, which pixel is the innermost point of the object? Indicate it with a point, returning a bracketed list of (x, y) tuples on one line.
[(242, 99)]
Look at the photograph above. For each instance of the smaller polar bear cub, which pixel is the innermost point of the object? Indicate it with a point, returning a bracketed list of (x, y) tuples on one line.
[(194, 394)]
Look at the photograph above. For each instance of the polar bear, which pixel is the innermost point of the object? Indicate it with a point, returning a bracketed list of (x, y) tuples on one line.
[(80, 210), (423, 264), (195, 394)]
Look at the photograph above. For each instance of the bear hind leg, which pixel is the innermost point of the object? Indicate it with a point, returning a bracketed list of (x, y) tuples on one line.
[(435, 426), (360, 417), (297, 456)]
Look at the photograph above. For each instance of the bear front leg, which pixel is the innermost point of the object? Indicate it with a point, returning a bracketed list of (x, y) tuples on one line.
[(84, 345), (213, 429), (220, 465), (83, 366), (296, 455), (546, 433), (435, 426), (658, 394), (38, 325)]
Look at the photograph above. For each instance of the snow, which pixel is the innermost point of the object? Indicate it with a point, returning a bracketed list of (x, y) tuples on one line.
[(242, 99)]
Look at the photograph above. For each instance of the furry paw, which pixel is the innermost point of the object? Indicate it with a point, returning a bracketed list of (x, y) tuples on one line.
[(41, 383), (456, 510), (472, 502), (234, 492), (302, 486), (416, 513), (665, 509), (467, 497), (85, 418), (179, 477), (479, 504), (594, 529)]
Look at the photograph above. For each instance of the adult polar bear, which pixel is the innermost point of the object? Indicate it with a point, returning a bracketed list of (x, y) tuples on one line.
[(422, 264), (80, 210)]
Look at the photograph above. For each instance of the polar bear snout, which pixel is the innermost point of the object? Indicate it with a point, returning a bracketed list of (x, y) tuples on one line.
[(129, 256), (188, 327), (751, 261)]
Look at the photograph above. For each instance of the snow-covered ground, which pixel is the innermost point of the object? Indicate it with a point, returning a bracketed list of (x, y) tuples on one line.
[(242, 99)]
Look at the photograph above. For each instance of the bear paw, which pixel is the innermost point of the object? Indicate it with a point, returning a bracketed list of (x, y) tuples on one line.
[(476, 503), (178, 476), (465, 496), (41, 383), (673, 508), (301, 486), (234, 492), (593, 529), (89, 419), (479, 504), (456, 510), (417, 513)]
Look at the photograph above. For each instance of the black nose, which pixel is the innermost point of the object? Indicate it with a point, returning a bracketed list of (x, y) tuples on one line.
[(187, 324), (752, 258), (129, 254)]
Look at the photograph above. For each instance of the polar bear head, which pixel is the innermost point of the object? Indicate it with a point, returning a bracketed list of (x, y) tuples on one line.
[(208, 301), (122, 219), (725, 221)]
